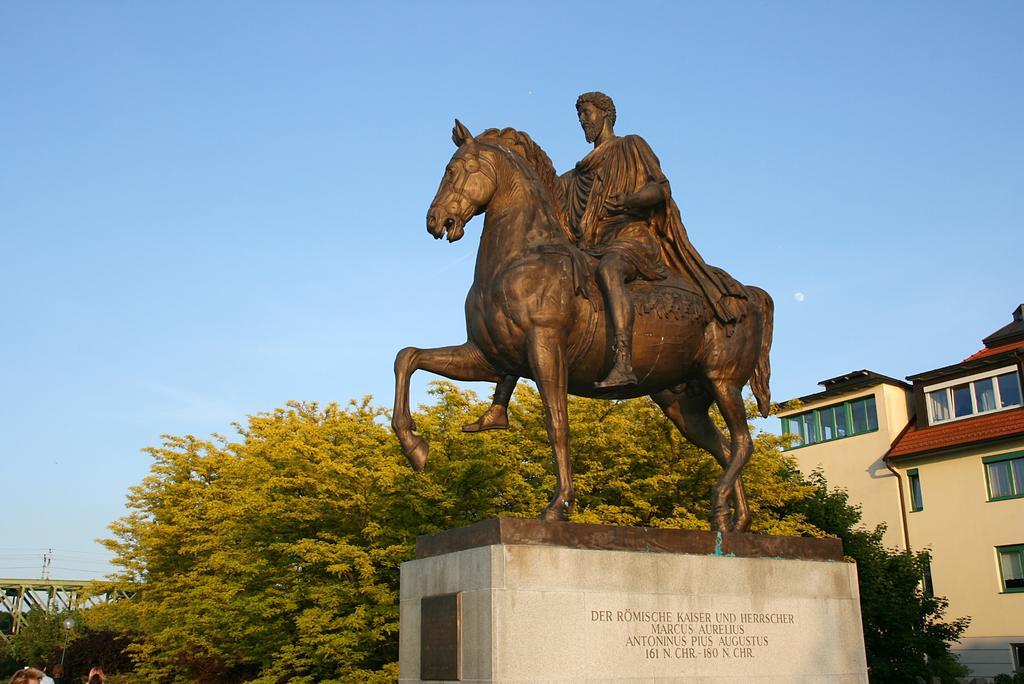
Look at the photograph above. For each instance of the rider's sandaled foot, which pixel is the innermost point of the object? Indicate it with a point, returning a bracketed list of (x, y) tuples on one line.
[(495, 418), (617, 378)]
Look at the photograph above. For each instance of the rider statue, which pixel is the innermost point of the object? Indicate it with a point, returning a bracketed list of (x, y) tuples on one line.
[(620, 209)]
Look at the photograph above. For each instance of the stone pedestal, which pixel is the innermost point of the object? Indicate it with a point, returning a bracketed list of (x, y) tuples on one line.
[(524, 601)]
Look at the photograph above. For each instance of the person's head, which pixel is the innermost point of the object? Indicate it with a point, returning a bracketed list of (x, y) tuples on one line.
[(593, 110), (58, 670), (28, 675)]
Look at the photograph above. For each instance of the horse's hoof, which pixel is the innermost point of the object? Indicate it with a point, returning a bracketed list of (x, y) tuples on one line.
[(418, 453), (555, 513)]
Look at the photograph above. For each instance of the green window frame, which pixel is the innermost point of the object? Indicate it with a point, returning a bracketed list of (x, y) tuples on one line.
[(1004, 476), (1011, 568), (927, 584), (916, 495), (835, 421)]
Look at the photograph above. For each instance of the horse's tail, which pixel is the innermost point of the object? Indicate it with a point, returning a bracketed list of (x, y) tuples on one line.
[(763, 369)]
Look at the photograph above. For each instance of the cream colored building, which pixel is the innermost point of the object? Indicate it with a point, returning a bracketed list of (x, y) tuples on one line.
[(845, 431), (942, 464)]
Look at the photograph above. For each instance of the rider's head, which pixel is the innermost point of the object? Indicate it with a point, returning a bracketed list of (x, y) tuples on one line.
[(588, 102), (599, 100)]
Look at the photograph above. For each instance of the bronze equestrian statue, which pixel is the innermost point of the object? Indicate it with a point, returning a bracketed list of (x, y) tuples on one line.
[(683, 333), (618, 207)]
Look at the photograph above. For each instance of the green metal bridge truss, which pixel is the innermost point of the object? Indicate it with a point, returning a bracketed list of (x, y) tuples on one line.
[(18, 596)]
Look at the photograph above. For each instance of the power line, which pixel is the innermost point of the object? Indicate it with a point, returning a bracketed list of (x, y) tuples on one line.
[(40, 549), (56, 559)]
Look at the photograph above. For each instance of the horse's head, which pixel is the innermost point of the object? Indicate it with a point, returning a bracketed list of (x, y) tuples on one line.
[(468, 184)]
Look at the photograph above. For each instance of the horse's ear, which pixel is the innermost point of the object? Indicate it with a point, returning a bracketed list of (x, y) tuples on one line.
[(460, 134)]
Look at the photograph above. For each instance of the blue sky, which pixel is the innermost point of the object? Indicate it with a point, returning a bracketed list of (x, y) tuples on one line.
[(209, 209)]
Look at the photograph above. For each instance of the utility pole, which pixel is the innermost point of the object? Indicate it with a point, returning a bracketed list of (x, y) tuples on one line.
[(47, 562)]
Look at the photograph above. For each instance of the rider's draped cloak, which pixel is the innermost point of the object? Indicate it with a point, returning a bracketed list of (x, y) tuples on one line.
[(647, 238)]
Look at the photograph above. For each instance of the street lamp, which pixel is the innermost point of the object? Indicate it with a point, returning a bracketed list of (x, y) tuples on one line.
[(68, 625)]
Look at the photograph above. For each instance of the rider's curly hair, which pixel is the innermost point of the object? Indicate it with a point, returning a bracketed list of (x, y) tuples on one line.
[(599, 100)]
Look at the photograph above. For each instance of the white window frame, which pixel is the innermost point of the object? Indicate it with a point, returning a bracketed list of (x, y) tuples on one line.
[(970, 379)]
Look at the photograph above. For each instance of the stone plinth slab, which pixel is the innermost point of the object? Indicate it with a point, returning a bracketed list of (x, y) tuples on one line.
[(541, 612), (616, 538)]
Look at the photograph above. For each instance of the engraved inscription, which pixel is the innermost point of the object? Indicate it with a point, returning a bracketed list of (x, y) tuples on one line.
[(695, 635)]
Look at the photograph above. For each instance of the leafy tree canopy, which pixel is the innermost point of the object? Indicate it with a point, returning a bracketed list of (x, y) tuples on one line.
[(35, 642), (273, 556), (905, 636)]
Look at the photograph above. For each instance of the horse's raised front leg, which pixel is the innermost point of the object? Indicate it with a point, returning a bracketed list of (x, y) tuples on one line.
[(690, 416), (461, 362), (730, 403), (546, 349)]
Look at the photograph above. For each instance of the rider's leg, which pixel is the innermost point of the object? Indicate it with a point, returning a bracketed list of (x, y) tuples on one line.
[(496, 416), (612, 273)]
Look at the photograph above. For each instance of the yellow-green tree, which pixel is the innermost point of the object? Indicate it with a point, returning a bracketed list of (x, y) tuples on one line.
[(274, 556)]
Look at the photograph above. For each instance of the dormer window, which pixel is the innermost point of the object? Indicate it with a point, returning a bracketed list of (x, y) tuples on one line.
[(965, 397), (847, 419)]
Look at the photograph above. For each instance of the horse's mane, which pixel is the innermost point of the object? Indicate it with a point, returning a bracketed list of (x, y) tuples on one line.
[(536, 160)]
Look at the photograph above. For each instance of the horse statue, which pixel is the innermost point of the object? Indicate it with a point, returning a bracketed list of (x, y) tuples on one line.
[(531, 313)]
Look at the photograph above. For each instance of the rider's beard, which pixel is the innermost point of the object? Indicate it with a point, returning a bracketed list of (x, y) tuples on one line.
[(591, 131)]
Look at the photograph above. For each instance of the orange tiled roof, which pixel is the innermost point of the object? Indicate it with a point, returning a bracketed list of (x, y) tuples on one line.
[(1010, 346), (917, 440)]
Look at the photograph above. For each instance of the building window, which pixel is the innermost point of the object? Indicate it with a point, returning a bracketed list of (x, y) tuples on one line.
[(832, 422), (1005, 476), (1011, 567), (927, 586), (1018, 656), (965, 397), (916, 500)]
